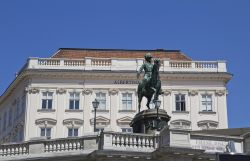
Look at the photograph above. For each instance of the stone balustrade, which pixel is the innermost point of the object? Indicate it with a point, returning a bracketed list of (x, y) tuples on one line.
[(106, 141), (123, 64), (131, 142), (49, 146), (64, 144), (113, 143), (14, 149)]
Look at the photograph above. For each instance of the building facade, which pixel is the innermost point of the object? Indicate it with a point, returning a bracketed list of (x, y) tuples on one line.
[(53, 96)]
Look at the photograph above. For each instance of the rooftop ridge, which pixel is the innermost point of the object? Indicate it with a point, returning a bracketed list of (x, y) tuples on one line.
[(76, 53), (108, 49)]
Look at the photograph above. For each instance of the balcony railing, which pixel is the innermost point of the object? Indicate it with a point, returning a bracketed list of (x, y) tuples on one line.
[(113, 64)]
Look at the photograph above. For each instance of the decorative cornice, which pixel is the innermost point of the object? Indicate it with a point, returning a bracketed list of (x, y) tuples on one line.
[(45, 121), (87, 91), (113, 91), (32, 90), (167, 92), (193, 92), (61, 90), (220, 92)]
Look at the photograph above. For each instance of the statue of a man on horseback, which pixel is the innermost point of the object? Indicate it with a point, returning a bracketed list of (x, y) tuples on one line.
[(151, 84)]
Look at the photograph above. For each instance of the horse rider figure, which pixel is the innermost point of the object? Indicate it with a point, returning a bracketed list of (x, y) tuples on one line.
[(147, 67)]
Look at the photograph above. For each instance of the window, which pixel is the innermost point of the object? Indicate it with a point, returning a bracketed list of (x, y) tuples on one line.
[(20, 135), (17, 109), (4, 120), (46, 131), (128, 130), (10, 117), (127, 101), (101, 97), (47, 100), (23, 104), (74, 100), (0, 125), (72, 132), (100, 129), (180, 103), (206, 102)]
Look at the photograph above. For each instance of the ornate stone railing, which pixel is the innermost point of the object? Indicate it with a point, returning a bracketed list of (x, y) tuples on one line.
[(100, 62), (14, 149), (74, 62), (64, 144), (130, 141), (48, 62), (123, 64), (106, 140)]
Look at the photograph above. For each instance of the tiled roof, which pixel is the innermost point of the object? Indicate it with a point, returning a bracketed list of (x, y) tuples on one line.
[(75, 53)]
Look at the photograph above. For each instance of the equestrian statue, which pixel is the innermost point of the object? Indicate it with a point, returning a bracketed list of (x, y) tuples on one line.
[(151, 84)]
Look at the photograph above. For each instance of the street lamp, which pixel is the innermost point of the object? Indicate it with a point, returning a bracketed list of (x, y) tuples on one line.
[(95, 104), (157, 105)]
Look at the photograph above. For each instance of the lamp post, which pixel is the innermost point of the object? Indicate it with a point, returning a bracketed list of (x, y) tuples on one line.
[(95, 104), (157, 105)]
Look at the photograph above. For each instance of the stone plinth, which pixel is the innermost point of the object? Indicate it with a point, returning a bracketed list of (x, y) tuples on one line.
[(147, 121)]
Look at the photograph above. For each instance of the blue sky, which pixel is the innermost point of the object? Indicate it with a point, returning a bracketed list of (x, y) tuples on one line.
[(203, 30)]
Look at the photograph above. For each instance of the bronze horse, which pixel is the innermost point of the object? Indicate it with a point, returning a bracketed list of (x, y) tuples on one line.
[(153, 88)]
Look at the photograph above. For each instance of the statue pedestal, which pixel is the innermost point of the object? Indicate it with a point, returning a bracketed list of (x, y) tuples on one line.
[(147, 122)]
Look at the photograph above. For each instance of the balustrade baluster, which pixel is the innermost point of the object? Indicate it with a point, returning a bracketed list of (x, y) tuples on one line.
[(78, 145), (122, 141), (130, 141), (139, 142), (113, 140), (134, 142), (74, 145), (126, 140)]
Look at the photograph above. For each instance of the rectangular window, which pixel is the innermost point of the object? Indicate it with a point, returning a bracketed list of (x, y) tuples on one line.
[(20, 135), (128, 130), (17, 109), (46, 132), (4, 120), (127, 101), (74, 99), (23, 104), (72, 132), (100, 129), (10, 117), (101, 97), (0, 126), (47, 100), (206, 102), (180, 102)]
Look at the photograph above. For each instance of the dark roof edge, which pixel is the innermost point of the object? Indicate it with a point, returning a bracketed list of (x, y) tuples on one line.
[(155, 50)]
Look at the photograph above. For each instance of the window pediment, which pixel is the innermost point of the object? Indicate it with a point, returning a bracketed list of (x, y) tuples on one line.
[(207, 124), (180, 124), (72, 121), (100, 120), (124, 120), (45, 121)]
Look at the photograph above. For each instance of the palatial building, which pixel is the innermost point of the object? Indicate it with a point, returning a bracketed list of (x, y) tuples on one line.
[(53, 96)]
